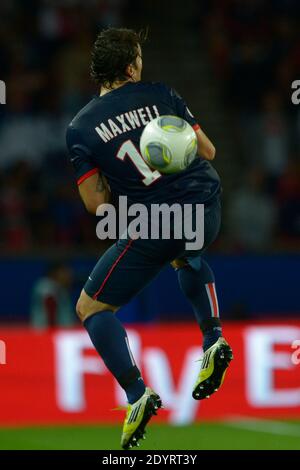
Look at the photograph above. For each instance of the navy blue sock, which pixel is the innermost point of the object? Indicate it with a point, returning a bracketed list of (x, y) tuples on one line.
[(198, 285), (110, 340)]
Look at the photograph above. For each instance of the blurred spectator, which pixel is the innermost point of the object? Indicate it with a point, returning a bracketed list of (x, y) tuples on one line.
[(252, 215), (254, 48), (51, 304), (272, 142), (265, 137), (14, 208), (288, 197)]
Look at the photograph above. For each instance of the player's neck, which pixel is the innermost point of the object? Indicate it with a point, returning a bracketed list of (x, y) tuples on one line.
[(104, 90)]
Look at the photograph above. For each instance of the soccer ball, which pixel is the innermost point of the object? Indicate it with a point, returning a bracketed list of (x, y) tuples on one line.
[(168, 144)]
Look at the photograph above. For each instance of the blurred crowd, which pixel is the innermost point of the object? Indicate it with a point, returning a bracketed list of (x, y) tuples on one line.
[(254, 46), (44, 59), (45, 49)]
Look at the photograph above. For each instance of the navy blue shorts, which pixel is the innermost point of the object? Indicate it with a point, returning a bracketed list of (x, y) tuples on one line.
[(129, 265)]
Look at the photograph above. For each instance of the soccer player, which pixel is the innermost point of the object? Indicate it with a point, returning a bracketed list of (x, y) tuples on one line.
[(103, 142)]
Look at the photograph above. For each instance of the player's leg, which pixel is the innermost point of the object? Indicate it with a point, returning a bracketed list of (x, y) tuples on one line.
[(111, 342), (197, 282), (117, 277), (198, 285), (110, 285)]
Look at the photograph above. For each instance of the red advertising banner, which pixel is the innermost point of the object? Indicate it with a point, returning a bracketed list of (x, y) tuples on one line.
[(56, 376)]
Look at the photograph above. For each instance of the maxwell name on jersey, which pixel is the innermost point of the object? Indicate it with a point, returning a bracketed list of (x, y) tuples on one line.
[(126, 122)]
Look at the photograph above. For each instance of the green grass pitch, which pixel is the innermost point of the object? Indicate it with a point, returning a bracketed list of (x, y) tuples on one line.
[(260, 434)]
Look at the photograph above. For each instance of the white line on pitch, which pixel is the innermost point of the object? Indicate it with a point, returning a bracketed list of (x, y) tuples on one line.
[(262, 425)]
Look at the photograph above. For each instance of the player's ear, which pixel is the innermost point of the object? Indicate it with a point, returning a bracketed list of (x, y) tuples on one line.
[(129, 71)]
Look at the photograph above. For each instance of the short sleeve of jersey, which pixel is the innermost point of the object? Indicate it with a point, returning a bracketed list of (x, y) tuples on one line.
[(80, 156), (181, 108)]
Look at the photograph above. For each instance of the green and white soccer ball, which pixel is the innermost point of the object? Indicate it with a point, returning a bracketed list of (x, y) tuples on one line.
[(168, 144)]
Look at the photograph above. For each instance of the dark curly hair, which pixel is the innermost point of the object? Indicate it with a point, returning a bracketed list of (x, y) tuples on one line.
[(114, 49)]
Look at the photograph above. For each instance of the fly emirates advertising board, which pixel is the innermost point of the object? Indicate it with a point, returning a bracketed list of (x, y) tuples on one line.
[(57, 377)]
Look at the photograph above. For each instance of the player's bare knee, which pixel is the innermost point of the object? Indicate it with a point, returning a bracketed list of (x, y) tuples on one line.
[(81, 308), (87, 306)]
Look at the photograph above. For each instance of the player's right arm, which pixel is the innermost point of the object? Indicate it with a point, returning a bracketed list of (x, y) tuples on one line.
[(94, 191), (92, 185), (206, 149)]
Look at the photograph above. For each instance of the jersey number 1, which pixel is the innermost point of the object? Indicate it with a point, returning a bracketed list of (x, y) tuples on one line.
[(128, 148)]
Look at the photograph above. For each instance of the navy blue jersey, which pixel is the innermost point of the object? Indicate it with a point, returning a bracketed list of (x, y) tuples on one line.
[(104, 137)]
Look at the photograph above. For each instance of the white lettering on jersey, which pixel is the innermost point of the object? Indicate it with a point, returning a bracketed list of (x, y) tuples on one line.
[(104, 132), (135, 118), (114, 128), (156, 110), (142, 116), (125, 126), (149, 113)]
